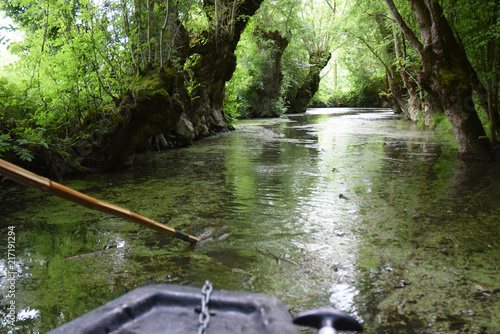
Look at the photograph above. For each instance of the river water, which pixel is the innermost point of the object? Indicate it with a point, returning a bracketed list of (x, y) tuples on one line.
[(354, 209)]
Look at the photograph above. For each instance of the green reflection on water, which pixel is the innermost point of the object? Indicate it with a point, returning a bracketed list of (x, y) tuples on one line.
[(410, 246)]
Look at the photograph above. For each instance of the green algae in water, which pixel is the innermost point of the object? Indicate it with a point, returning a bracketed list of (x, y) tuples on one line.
[(430, 261), (412, 250)]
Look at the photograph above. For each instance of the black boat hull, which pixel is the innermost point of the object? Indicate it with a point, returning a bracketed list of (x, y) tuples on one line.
[(174, 309)]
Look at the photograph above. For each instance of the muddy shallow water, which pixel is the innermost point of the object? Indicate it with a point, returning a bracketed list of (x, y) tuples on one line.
[(347, 208)]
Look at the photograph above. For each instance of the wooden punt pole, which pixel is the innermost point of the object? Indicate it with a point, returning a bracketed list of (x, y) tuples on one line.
[(30, 179)]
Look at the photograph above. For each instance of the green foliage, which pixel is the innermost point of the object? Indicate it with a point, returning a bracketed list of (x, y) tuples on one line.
[(9, 103), (295, 67), (79, 57), (318, 27), (359, 80), (71, 61), (362, 93), (234, 104), (441, 122), (308, 26), (249, 74), (20, 147), (19, 137), (190, 80)]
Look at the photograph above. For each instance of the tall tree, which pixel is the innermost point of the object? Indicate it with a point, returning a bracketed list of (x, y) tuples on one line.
[(101, 72), (477, 28), (318, 36), (446, 74), (299, 102), (257, 84), (264, 99), (370, 29), (217, 61)]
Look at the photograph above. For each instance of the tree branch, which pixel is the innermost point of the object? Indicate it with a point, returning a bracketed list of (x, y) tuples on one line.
[(409, 34), (376, 56)]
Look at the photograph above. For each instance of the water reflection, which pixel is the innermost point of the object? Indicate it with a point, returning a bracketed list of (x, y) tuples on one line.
[(348, 208)]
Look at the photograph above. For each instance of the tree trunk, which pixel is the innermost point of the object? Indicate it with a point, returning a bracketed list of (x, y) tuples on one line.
[(181, 104), (446, 75), (148, 109), (265, 102), (414, 108), (394, 84), (493, 66), (413, 105), (214, 67), (318, 59), (432, 106), (394, 93)]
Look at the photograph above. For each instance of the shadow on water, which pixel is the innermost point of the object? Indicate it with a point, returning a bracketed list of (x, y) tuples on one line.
[(347, 208)]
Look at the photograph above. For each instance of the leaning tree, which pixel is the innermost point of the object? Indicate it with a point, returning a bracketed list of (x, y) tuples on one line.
[(446, 74)]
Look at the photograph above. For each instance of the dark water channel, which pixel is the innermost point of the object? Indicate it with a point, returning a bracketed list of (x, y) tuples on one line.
[(346, 208)]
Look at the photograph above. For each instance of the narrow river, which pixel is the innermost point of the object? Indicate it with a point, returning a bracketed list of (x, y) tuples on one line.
[(354, 209)]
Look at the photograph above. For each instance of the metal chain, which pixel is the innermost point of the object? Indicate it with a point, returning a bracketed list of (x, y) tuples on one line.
[(204, 317)]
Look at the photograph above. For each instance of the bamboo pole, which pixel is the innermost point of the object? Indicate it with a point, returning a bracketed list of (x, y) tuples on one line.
[(33, 180)]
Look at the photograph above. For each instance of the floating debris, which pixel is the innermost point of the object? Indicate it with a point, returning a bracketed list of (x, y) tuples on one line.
[(277, 258), (485, 293), (402, 284)]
